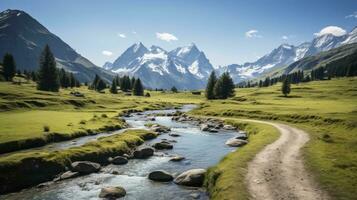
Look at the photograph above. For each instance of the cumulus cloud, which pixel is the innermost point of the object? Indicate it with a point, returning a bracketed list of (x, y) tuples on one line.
[(107, 53), (252, 34), (166, 37), (353, 15), (122, 35), (284, 37), (334, 30)]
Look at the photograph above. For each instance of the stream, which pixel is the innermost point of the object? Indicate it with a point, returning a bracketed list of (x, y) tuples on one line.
[(201, 150)]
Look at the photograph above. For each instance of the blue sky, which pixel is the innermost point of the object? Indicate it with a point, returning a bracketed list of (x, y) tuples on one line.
[(227, 31)]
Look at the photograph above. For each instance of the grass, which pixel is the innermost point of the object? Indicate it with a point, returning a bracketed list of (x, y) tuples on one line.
[(227, 179), (325, 109), (25, 169), (25, 111)]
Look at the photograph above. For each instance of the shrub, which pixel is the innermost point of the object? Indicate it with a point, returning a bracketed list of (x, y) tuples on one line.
[(104, 115), (46, 128), (82, 122)]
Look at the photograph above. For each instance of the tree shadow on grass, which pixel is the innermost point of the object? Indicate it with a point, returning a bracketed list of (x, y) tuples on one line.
[(290, 96)]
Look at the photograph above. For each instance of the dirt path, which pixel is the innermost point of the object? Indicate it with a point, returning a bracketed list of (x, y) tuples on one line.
[(277, 172)]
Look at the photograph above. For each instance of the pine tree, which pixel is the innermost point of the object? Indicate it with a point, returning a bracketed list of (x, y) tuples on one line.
[(100, 85), (9, 67), (174, 89), (210, 86), (224, 87), (73, 80), (113, 88), (138, 89), (285, 88), (132, 82), (48, 79)]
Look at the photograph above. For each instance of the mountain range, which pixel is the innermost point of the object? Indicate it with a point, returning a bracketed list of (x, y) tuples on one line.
[(24, 37), (184, 67), (286, 54)]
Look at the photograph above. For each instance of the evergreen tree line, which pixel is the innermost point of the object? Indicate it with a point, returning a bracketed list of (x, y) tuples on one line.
[(219, 88), (346, 67), (48, 77), (124, 83), (67, 79)]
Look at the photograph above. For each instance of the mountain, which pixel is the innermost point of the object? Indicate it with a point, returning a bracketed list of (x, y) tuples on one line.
[(24, 37), (184, 67), (340, 56), (286, 54)]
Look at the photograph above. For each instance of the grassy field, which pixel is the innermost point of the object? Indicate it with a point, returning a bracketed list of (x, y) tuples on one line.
[(25, 111), (325, 109)]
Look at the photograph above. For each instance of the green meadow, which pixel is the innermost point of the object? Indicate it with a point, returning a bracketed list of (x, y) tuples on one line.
[(327, 110)]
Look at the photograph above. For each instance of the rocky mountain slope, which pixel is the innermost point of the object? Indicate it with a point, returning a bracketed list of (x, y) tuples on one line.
[(184, 67), (24, 37)]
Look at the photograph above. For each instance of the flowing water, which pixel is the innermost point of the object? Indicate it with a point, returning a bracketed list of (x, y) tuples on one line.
[(201, 150)]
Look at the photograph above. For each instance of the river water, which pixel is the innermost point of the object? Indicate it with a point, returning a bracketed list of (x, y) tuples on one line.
[(201, 150)]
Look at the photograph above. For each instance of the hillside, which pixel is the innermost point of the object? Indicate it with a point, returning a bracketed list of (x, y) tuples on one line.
[(24, 37)]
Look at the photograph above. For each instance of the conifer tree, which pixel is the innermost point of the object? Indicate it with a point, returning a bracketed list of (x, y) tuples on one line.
[(138, 89), (132, 82), (285, 88), (48, 79), (73, 80), (224, 87), (113, 88), (174, 89), (9, 67), (209, 93)]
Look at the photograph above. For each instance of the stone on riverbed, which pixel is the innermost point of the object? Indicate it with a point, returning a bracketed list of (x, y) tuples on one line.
[(112, 192), (163, 145), (85, 167), (68, 175), (174, 135), (143, 153), (228, 127), (204, 127), (234, 142), (119, 160), (177, 158), (161, 176), (193, 177)]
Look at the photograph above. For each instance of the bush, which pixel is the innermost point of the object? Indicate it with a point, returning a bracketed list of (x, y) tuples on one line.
[(104, 116), (46, 128), (82, 122), (147, 95)]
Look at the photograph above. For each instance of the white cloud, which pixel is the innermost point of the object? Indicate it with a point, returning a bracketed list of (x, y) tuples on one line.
[(107, 53), (166, 37), (252, 34), (122, 35), (284, 37), (354, 15), (334, 30), (134, 32)]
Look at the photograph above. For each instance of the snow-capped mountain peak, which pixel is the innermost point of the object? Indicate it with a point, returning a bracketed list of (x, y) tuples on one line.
[(184, 67)]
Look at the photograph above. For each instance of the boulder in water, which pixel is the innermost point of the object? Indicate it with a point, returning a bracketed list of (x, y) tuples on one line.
[(193, 177), (119, 160), (177, 158), (163, 145), (112, 192), (85, 167), (161, 176), (234, 142), (143, 153)]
